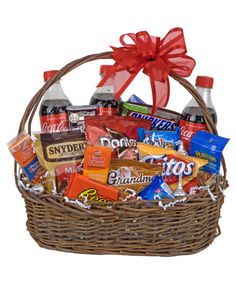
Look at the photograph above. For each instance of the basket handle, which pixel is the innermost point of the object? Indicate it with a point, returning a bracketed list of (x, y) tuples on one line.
[(34, 102)]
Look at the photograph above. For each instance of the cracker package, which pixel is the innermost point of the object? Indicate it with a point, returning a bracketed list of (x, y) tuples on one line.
[(61, 153), (96, 163), (21, 147), (131, 176)]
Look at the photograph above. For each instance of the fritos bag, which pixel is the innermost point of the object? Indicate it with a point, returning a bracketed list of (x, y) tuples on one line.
[(61, 154), (174, 164)]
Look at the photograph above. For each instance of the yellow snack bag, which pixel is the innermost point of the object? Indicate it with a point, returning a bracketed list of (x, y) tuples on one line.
[(174, 165)]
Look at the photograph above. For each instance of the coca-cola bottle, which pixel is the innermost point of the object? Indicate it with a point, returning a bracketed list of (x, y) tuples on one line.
[(52, 112), (192, 119), (104, 97)]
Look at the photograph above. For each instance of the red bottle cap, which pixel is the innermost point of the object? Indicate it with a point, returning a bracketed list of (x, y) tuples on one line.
[(49, 74), (104, 69), (203, 81)]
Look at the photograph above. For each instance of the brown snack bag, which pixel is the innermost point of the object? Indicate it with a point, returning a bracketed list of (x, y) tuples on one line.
[(131, 175), (59, 148)]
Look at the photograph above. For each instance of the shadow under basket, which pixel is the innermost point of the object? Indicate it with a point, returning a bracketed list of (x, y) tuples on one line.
[(127, 228)]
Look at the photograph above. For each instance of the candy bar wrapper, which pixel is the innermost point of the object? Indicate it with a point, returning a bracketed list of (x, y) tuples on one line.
[(97, 162), (174, 164), (165, 139), (135, 99), (81, 187), (163, 120), (208, 146), (157, 189), (21, 147)]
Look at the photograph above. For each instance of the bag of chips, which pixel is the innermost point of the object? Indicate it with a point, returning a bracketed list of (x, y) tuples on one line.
[(117, 132), (61, 154), (174, 165)]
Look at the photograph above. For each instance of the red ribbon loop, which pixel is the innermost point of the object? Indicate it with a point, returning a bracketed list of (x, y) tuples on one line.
[(156, 57)]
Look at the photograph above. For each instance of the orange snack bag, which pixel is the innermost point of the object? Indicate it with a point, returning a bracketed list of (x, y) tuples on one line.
[(174, 164), (81, 187), (21, 147), (97, 162)]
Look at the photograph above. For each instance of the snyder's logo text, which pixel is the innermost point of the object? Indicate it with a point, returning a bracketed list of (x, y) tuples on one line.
[(65, 150)]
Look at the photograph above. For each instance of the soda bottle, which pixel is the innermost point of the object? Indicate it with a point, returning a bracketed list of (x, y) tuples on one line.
[(192, 119), (104, 96), (52, 112)]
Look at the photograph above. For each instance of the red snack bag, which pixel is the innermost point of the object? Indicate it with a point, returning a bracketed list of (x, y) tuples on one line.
[(63, 173), (118, 132), (81, 187)]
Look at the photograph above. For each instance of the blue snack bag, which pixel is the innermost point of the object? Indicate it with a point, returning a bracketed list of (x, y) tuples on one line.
[(157, 189), (165, 139), (208, 146), (135, 99)]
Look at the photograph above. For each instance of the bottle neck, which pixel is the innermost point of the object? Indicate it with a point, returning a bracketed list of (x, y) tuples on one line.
[(55, 92), (108, 88), (206, 95)]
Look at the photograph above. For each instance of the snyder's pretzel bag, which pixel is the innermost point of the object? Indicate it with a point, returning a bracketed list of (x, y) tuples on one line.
[(119, 133), (61, 154), (131, 176), (174, 165), (21, 147)]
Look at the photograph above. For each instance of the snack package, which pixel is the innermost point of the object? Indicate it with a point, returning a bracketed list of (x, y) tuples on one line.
[(135, 99), (163, 120), (119, 133), (59, 148), (165, 139), (174, 165), (97, 162), (76, 115), (157, 189), (81, 187), (21, 147), (208, 146), (131, 174), (63, 172)]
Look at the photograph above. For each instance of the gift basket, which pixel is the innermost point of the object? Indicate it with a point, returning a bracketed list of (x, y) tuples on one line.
[(152, 199)]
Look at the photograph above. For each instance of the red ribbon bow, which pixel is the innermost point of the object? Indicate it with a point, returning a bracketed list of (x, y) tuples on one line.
[(157, 57)]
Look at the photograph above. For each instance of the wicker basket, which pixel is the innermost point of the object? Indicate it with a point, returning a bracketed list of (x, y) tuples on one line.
[(129, 228)]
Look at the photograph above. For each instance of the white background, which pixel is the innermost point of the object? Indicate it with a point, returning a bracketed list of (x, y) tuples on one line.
[(42, 35)]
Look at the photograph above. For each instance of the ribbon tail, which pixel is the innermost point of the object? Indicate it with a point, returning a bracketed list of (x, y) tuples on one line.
[(122, 80), (160, 93)]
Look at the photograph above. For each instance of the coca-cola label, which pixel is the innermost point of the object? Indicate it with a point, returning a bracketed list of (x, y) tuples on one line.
[(188, 130), (54, 123)]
